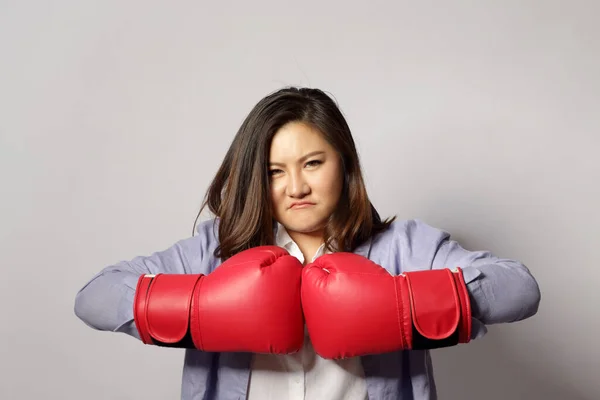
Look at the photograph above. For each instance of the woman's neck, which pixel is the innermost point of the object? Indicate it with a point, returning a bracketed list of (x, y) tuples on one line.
[(308, 243)]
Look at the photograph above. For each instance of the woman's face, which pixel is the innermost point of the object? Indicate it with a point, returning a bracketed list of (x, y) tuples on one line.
[(306, 178)]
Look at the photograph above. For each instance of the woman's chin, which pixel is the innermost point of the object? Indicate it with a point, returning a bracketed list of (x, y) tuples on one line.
[(306, 229)]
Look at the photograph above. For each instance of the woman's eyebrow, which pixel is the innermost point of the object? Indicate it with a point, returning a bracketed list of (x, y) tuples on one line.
[(304, 157)]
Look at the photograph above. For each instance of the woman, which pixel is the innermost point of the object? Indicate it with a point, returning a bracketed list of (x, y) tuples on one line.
[(292, 179)]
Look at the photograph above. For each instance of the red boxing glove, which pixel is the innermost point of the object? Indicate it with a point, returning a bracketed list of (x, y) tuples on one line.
[(354, 307), (250, 303)]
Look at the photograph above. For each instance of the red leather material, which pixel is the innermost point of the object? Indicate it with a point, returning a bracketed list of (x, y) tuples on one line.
[(404, 313), (466, 323), (354, 307), (434, 302), (168, 306), (139, 307), (351, 307), (251, 302)]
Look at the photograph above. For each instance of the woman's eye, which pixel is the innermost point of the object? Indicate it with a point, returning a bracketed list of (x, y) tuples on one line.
[(274, 172), (313, 163)]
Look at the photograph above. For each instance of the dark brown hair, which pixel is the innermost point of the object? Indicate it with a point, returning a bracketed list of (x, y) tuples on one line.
[(239, 195)]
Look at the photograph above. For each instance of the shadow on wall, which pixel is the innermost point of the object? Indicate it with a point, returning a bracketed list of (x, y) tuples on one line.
[(489, 369), (510, 362)]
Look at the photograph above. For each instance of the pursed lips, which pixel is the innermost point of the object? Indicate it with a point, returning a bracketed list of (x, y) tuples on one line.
[(301, 204)]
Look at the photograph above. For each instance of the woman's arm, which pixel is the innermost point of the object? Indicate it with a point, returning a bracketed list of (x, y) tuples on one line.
[(501, 290), (433, 293), (106, 301)]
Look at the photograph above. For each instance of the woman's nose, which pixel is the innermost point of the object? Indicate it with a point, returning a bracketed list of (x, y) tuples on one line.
[(297, 186)]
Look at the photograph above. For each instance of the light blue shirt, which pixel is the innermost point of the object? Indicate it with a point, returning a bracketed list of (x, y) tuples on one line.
[(501, 291)]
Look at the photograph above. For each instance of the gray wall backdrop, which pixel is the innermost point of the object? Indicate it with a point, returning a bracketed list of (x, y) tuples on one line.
[(480, 118)]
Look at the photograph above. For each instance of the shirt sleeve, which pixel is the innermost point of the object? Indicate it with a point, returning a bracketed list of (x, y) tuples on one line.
[(501, 290), (105, 302)]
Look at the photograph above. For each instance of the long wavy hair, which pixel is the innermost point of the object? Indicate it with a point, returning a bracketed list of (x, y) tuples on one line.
[(239, 195)]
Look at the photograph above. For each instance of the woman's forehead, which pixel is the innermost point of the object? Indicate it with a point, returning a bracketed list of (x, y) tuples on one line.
[(297, 140)]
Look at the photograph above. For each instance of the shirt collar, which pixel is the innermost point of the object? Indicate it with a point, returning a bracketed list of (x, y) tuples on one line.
[(283, 239)]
